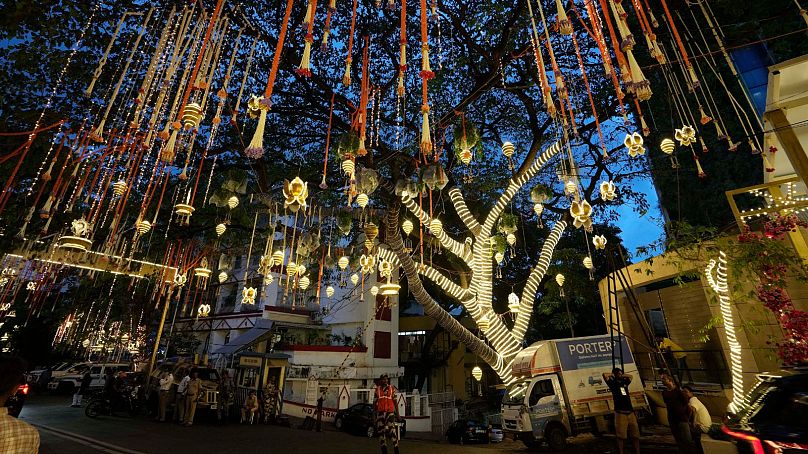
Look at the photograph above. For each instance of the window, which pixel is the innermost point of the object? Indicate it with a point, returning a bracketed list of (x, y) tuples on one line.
[(383, 311), (95, 370), (656, 318), (542, 388), (515, 395), (381, 344)]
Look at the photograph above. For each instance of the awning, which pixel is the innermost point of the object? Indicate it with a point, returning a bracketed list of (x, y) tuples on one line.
[(256, 334)]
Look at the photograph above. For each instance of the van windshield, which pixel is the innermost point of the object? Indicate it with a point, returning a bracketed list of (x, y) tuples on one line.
[(515, 394)]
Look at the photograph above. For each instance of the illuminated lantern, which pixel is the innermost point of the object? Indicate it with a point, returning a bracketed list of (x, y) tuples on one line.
[(143, 226), (634, 143), (180, 279), (507, 149), (499, 257), (436, 227), (354, 278), (513, 303), (301, 270), (348, 167), (608, 191), (204, 310), (477, 373), (222, 277), (232, 202), (329, 291), (295, 192), (374, 290), (407, 227), (248, 295), (482, 323), (191, 115), (119, 187), (220, 229), (389, 289), (277, 257), (343, 262), (560, 279), (570, 187), (511, 239), (588, 263), (362, 200), (685, 136), (667, 146), (599, 241), (538, 208), (303, 283), (291, 268)]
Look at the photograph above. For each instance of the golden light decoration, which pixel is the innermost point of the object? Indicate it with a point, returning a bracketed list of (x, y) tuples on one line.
[(277, 257), (599, 241), (354, 278), (362, 200), (291, 269), (582, 214), (301, 270), (686, 135), (183, 212), (667, 146), (570, 187), (303, 283), (499, 257), (588, 263), (268, 278), (465, 156), (329, 291), (389, 289), (407, 227), (482, 323), (634, 143), (80, 229), (560, 279), (248, 295), (367, 262), (222, 277), (538, 208), (349, 167), (513, 303), (202, 271), (143, 226), (220, 229), (477, 373), (511, 239), (343, 262), (436, 227), (232, 202), (608, 191), (119, 187), (508, 149), (191, 115), (30, 286), (180, 279), (371, 231), (295, 193), (203, 310), (374, 290)]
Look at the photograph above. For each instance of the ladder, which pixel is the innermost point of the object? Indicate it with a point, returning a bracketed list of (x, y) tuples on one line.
[(619, 282)]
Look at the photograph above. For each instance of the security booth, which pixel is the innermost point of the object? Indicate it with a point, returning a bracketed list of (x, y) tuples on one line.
[(255, 370)]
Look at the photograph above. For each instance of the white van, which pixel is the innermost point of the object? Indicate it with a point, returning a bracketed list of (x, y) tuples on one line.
[(98, 371)]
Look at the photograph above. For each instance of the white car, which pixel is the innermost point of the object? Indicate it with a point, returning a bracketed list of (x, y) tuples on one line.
[(495, 434), (72, 380)]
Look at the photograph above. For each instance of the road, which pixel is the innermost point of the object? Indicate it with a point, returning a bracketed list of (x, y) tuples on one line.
[(66, 430)]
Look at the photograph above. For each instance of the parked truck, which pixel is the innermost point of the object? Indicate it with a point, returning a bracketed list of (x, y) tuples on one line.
[(560, 390)]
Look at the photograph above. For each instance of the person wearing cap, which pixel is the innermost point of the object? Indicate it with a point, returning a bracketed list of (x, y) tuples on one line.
[(386, 413)]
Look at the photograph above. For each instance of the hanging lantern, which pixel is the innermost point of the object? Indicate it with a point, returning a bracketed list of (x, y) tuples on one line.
[(343, 262), (559, 278), (143, 226), (477, 373), (513, 303), (183, 212), (608, 191), (389, 289), (303, 283), (301, 270), (362, 200), (511, 239), (191, 115), (685, 136), (634, 143), (582, 214), (202, 271), (268, 278), (374, 290), (371, 231), (599, 241), (367, 262), (119, 187), (277, 257), (508, 149), (354, 278), (295, 192), (538, 209), (570, 187), (588, 263), (499, 257), (436, 227), (465, 156), (667, 146), (222, 277), (291, 269), (348, 167), (203, 310), (220, 229), (180, 279), (407, 227), (232, 202), (248, 295), (329, 291)]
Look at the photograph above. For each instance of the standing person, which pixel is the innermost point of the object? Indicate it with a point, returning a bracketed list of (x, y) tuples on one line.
[(270, 400), (179, 404), (166, 381), (678, 414), (225, 397), (45, 378), (16, 437), (191, 397), (249, 408), (84, 387), (701, 421), (625, 421), (386, 413), (676, 353)]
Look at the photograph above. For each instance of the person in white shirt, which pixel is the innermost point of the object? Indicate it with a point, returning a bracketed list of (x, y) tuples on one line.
[(700, 420), (179, 413), (166, 380)]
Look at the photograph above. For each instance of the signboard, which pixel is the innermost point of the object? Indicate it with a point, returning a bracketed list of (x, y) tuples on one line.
[(249, 361), (583, 362), (299, 410)]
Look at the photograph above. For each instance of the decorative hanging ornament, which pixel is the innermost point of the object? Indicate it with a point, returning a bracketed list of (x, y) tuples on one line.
[(511, 239), (277, 257), (559, 278), (295, 192), (482, 323), (582, 213), (202, 271), (477, 373), (220, 229), (407, 227), (232, 202), (570, 187), (634, 143), (343, 262), (608, 191), (538, 208), (329, 291), (667, 146), (143, 226), (191, 115), (291, 269), (599, 241), (203, 310), (180, 279), (362, 200), (367, 263), (119, 187), (248, 295), (303, 283), (513, 303), (436, 227), (499, 257), (508, 150), (685, 136), (588, 263), (374, 290), (354, 279), (222, 277)]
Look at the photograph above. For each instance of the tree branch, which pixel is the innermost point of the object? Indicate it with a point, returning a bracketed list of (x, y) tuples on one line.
[(455, 247)]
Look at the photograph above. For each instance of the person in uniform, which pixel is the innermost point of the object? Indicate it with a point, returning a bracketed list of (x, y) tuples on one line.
[(386, 412)]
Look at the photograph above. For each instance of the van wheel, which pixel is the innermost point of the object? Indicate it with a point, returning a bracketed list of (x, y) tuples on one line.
[(556, 438)]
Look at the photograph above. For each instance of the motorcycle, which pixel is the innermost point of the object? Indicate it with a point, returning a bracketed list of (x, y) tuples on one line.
[(103, 404)]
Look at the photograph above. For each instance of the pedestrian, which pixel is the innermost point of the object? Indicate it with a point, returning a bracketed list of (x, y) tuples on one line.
[(700, 418), (678, 356), (386, 413), (45, 378), (225, 396), (191, 396), (249, 408), (270, 400), (166, 381), (625, 420), (179, 403), (83, 388), (16, 437), (678, 414)]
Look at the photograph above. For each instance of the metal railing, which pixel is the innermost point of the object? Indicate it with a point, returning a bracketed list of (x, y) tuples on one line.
[(700, 367)]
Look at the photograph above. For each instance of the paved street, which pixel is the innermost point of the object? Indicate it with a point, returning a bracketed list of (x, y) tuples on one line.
[(66, 430)]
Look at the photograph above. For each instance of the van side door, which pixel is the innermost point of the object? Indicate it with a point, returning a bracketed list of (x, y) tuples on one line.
[(544, 404), (97, 373)]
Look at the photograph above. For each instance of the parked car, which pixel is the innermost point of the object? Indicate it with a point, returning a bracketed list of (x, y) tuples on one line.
[(16, 402), (465, 431), (358, 418), (495, 433), (773, 418), (56, 371), (68, 383)]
